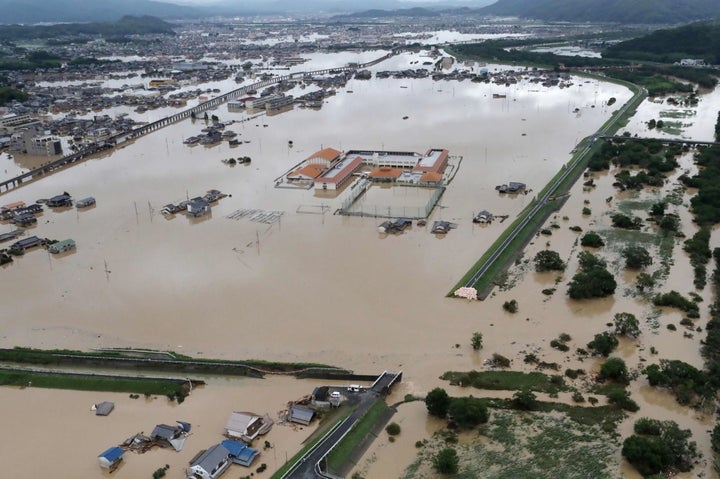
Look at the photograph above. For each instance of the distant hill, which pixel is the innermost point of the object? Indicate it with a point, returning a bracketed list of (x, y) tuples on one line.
[(39, 11), (697, 40), (403, 12), (57, 11), (128, 25), (614, 11)]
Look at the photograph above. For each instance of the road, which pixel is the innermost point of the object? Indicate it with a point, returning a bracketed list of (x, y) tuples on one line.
[(552, 190), (308, 466)]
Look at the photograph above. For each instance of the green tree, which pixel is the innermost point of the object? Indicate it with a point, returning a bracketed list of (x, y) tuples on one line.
[(592, 239), (525, 399), (620, 220), (621, 398), (658, 209), (548, 260), (597, 283), (511, 306), (446, 461), (715, 438), (649, 455), (477, 341), (468, 412), (636, 257), (626, 324), (658, 446), (437, 402), (589, 261), (615, 370), (603, 344), (393, 429)]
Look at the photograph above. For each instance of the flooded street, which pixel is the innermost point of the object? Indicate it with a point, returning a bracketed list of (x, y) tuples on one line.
[(316, 287)]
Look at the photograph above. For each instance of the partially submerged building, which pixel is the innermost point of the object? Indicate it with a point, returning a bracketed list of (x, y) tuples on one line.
[(246, 426), (240, 453), (27, 243), (104, 408), (60, 200), (339, 174), (62, 246), (211, 463), (110, 458), (197, 207), (174, 436), (300, 414), (85, 202)]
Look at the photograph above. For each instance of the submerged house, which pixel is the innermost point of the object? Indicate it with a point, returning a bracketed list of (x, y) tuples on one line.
[(173, 436), (104, 408), (85, 202), (111, 458), (246, 426), (483, 216), (62, 246), (210, 464), (27, 243), (300, 414), (197, 207), (60, 200), (240, 453)]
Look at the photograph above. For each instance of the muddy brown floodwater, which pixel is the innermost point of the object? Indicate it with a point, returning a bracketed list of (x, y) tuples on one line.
[(313, 287)]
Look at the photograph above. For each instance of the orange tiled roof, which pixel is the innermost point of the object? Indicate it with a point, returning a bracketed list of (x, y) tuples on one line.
[(328, 154), (431, 176), (312, 171), (385, 172)]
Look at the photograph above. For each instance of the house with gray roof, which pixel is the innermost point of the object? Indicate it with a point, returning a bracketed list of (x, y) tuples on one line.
[(300, 414), (211, 464)]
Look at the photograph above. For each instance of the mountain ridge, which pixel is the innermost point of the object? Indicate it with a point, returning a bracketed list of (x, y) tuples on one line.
[(610, 11)]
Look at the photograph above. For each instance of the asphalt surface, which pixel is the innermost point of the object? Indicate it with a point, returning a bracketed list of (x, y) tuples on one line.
[(306, 467)]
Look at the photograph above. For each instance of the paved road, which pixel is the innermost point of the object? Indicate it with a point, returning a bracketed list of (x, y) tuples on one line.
[(307, 467)]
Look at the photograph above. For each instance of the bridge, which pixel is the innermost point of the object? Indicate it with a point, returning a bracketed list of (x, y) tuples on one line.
[(123, 138), (311, 464)]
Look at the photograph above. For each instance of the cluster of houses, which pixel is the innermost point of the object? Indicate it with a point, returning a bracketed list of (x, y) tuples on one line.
[(331, 169), (24, 134), (163, 435), (241, 429), (24, 216), (194, 207)]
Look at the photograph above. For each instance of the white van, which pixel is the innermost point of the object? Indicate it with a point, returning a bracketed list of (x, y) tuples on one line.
[(354, 388)]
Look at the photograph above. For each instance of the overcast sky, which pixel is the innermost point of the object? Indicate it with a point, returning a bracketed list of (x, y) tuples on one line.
[(201, 2)]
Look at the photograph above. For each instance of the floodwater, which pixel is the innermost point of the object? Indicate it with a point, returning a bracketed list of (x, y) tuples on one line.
[(312, 287), (61, 424)]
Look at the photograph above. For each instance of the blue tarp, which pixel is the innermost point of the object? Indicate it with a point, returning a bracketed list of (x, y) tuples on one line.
[(112, 454), (184, 425)]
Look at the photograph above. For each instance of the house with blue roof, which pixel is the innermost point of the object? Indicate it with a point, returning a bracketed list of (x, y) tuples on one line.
[(110, 459), (240, 453)]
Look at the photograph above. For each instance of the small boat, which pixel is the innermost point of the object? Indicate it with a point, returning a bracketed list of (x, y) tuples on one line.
[(405, 117)]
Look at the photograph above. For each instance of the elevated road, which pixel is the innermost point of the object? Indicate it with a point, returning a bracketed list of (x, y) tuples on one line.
[(553, 189), (123, 138), (311, 464)]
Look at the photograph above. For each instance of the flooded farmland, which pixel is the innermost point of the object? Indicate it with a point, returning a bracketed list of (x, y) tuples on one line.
[(316, 287)]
